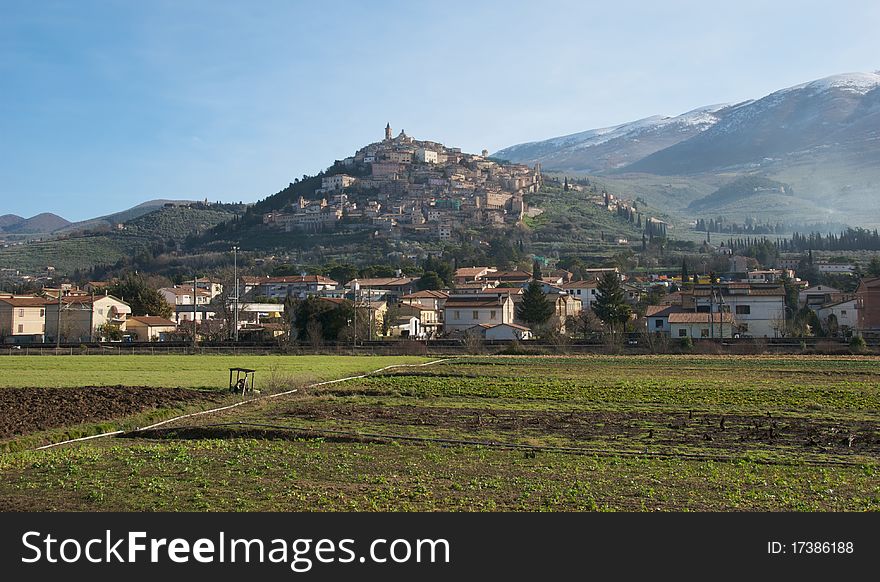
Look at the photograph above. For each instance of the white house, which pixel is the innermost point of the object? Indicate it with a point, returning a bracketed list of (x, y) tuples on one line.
[(759, 310), (583, 290), (507, 331), (701, 325), (464, 312), (83, 316), (840, 317)]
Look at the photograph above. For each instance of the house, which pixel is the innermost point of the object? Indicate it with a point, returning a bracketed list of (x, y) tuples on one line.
[(297, 286), (768, 275), (701, 325), (840, 317), (188, 305), (657, 317), (501, 331), (429, 318), (406, 326), (22, 319), (461, 312), (82, 317), (471, 274), (394, 287), (869, 314), (583, 290), (517, 278), (149, 328), (566, 306), (759, 309), (212, 286), (817, 296)]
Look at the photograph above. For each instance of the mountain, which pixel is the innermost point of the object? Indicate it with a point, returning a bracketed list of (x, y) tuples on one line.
[(600, 150), (10, 220), (821, 138), (39, 224), (839, 114)]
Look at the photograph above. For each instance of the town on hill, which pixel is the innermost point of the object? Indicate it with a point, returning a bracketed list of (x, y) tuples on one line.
[(404, 187)]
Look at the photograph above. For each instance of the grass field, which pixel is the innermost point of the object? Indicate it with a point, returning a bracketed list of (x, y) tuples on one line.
[(202, 372), (677, 433)]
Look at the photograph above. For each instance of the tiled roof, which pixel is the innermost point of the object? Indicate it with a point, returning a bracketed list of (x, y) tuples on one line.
[(25, 301), (690, 317)]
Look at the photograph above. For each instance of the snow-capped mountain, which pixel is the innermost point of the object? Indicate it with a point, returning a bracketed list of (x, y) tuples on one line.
[(827, 113), (608, 148)]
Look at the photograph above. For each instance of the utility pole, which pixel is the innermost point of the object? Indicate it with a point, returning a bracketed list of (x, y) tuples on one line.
[(235, 276), (195, 310), (355, 334), (58, 322), (92, 319)]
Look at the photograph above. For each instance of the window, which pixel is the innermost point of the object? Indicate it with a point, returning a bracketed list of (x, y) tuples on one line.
[(743, 309), (658, 323), (704, 333), (458, 315), (843, 311), (682, 332), (492, 314), (476, 315), (42, 313), (20, 328), (21, 312), (101, 311)]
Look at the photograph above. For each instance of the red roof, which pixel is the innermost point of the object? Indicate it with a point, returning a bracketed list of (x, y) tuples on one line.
[(25, 301), (316, 279)]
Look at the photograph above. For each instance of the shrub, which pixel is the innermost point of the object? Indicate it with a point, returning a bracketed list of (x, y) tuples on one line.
[(687, 343), (857, 344)]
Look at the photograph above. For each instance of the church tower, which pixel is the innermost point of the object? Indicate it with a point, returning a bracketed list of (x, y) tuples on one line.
[(388, 132)]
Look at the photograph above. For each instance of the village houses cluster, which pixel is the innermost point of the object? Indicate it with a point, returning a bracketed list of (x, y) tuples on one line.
[(482, 302), (405, 188)]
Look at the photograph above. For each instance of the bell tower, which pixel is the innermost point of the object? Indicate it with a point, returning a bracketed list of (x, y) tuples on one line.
[(388, 132)]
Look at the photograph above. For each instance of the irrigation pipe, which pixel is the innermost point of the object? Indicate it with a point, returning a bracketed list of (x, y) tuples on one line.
[(237, 404)]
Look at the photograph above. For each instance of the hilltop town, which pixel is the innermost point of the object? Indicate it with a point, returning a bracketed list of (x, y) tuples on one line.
[(404, 187)]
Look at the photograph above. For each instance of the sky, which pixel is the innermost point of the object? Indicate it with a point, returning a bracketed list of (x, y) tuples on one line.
[(104, 105)]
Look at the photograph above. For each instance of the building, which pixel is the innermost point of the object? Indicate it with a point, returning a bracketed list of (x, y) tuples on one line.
[(817, 296), (185, 307), (296, 286), (840, 317), (22, 319), (501, 331), (471, 274), (464, 312), (583, 290), (657, 317), (83, 317), (426, 156), (394, 287), (336, 182), (759, 309), (701, 325), (150, 328), (869, 314)]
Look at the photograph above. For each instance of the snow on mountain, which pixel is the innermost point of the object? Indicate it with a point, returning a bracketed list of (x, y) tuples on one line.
[(861, 83)]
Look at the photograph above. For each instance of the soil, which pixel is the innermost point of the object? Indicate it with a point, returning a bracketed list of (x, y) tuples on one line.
[(29, 410), (666, 429)]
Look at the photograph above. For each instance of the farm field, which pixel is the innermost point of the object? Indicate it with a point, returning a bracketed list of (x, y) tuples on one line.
[(667, 433)]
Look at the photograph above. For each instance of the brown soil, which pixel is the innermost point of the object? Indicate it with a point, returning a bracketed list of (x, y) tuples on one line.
[(644, 428), (29, 410)]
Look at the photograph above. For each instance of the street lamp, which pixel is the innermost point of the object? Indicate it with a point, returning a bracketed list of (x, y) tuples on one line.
[(235, 279)]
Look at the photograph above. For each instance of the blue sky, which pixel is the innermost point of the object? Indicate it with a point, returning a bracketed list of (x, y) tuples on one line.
[(104, 105)]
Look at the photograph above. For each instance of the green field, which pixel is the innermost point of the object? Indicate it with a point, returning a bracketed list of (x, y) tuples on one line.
[(202, 372), (667, 433)]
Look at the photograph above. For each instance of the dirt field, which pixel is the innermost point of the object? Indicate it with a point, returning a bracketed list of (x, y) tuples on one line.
[(28, 410)]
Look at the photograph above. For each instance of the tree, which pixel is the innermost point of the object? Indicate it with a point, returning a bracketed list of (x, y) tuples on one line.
[(429, 280), (684, 271), (536, 271), (535, 309), (143, 299), (610, 305), (874, 266)]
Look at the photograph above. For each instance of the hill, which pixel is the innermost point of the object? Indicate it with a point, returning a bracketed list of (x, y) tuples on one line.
[(39, 224), (739, 190), (111, 220), (150, 233), (10, 220)]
